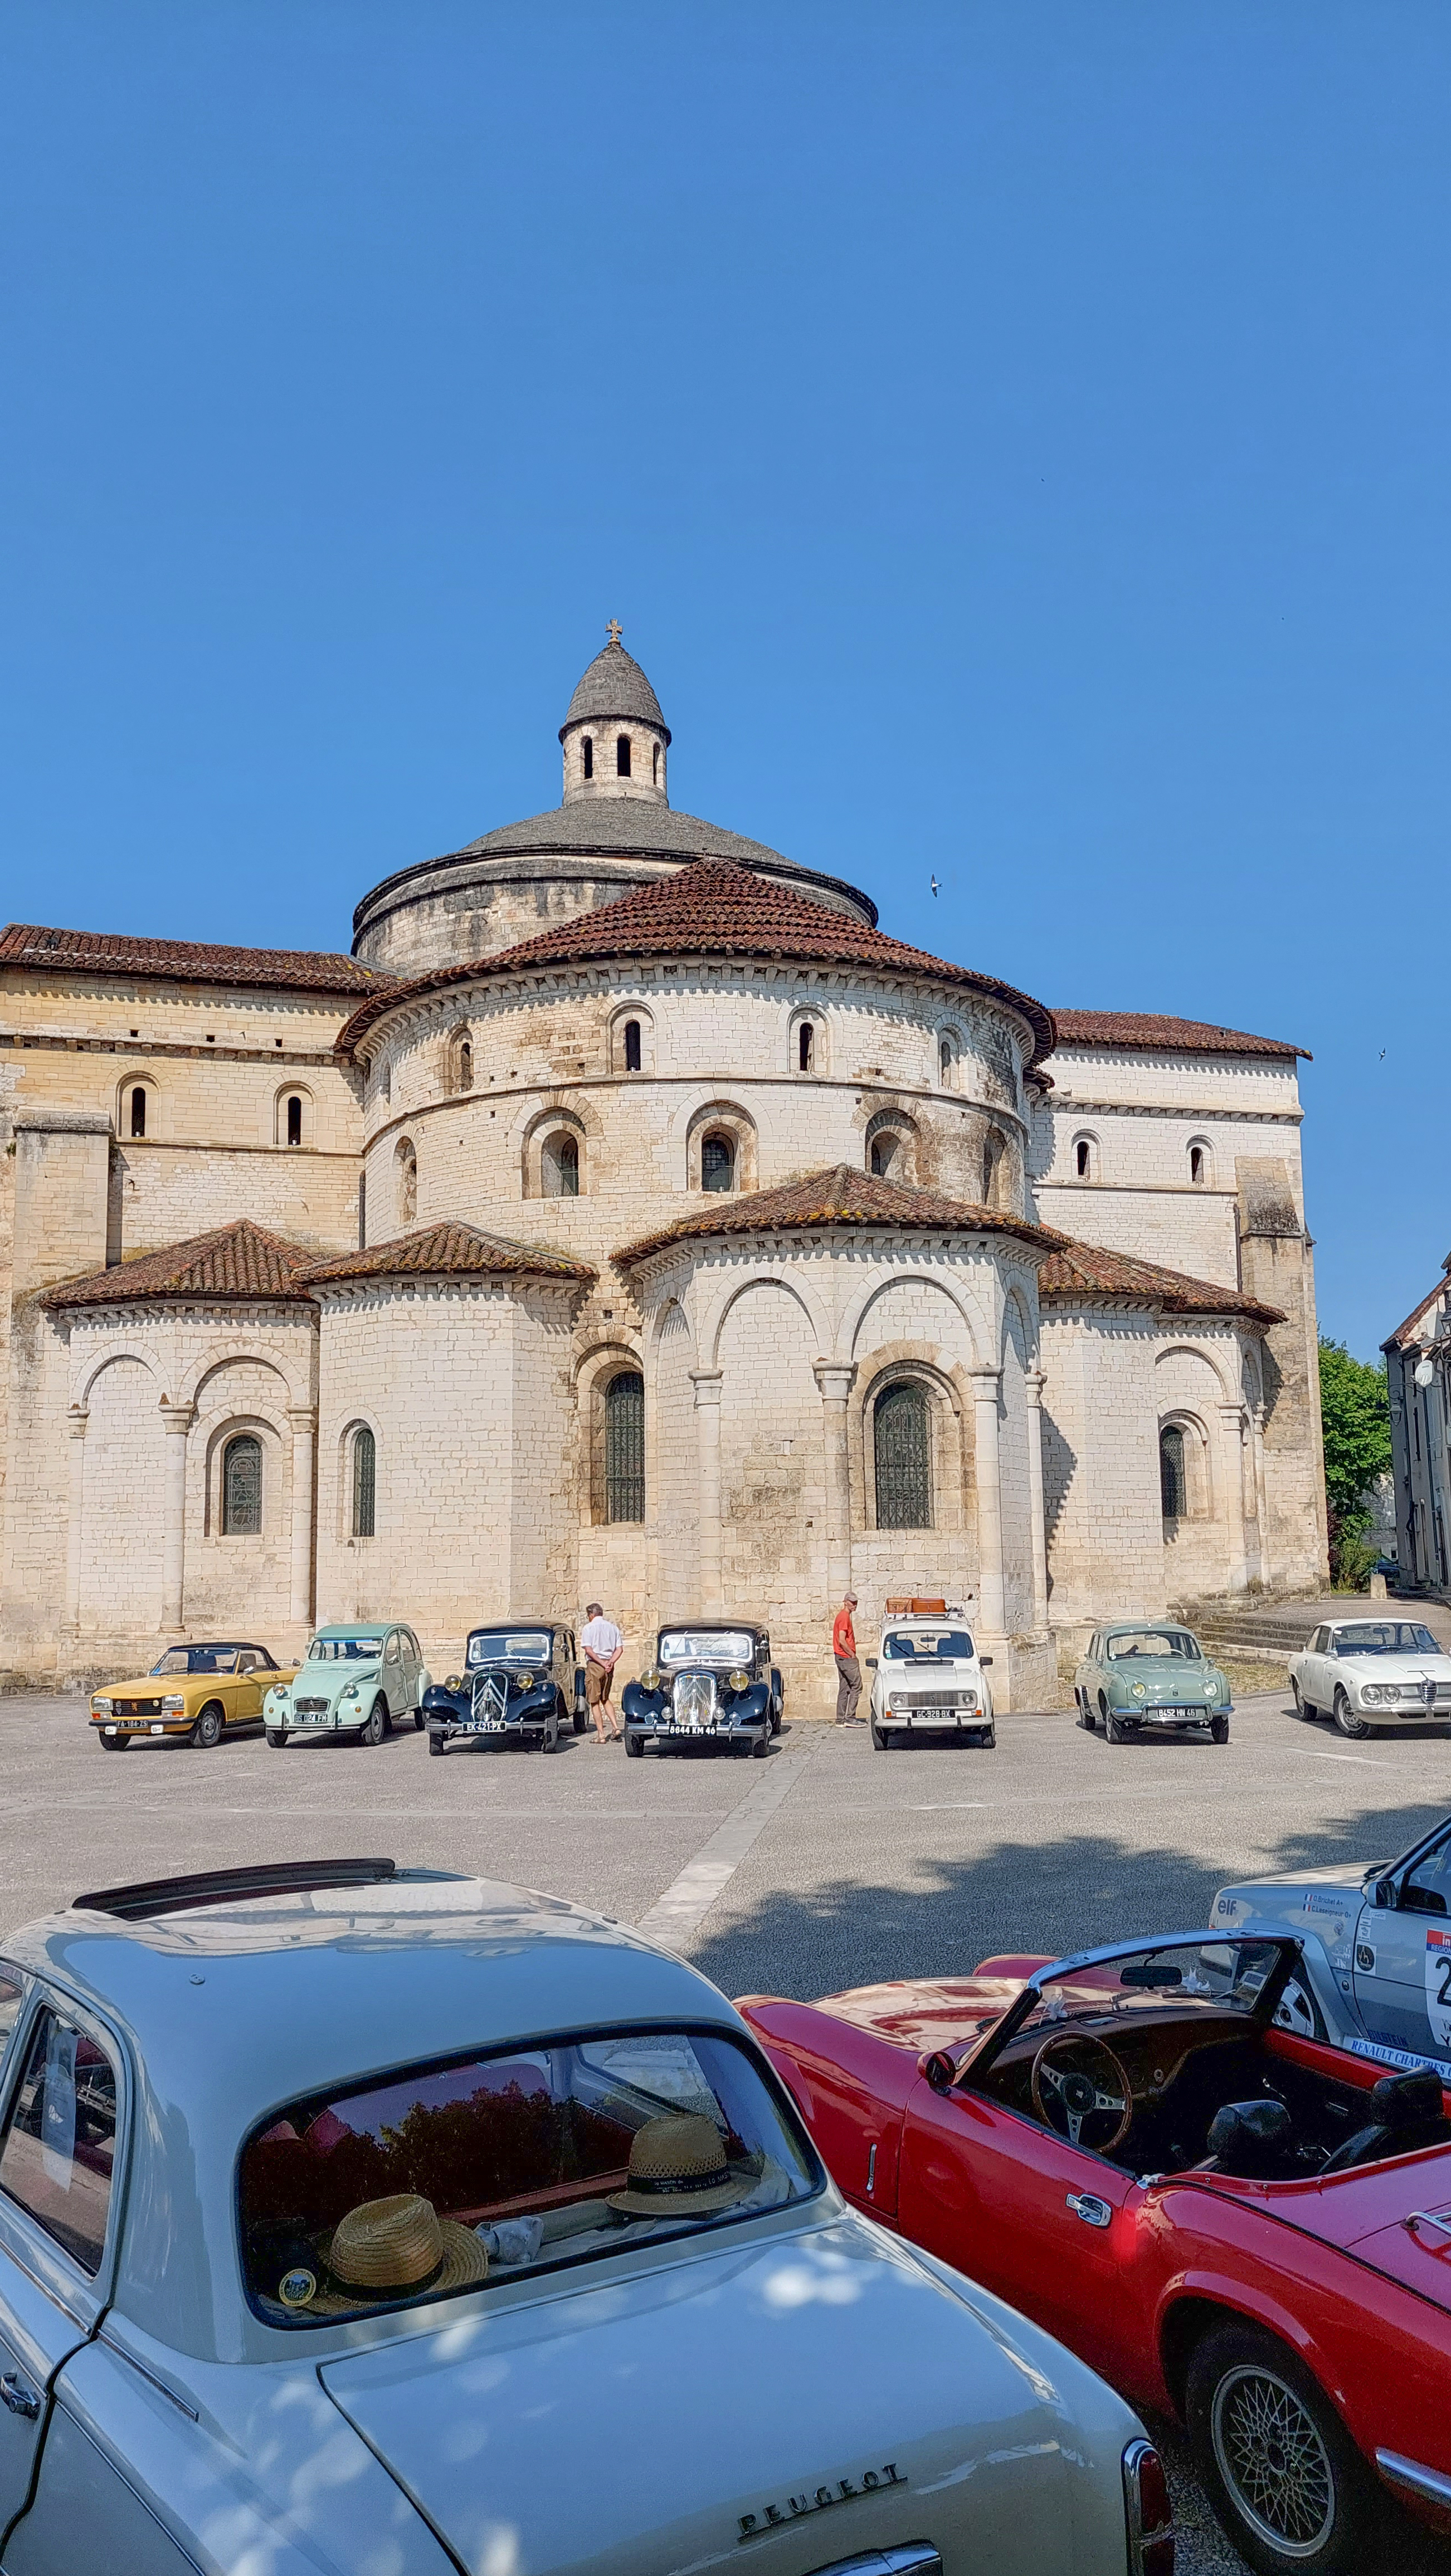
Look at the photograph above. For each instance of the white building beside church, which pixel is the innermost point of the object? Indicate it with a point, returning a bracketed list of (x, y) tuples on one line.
[(629, 1216)]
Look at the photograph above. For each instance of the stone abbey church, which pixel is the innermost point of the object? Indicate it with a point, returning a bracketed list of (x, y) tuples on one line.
[(630, 1216)]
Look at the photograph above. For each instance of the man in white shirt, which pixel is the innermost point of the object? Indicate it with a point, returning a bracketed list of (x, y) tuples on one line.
[(603, 1646)]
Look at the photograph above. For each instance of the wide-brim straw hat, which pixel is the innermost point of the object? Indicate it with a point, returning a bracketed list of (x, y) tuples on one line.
[(385, 2249), (678, 2169)]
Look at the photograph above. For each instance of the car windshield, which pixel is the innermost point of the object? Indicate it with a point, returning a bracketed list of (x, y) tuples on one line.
[(1174, 1643), (1386, 1637), (952, 1645), (344, 1650), (198, 1659), (1212, 1977), (509, 1646), (722, 1647), (448, 2176)]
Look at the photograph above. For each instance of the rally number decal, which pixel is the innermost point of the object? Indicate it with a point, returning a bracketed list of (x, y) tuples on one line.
[(1438, 1986)]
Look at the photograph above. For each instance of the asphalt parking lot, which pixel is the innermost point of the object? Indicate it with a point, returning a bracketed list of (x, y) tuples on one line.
[(827, 1866)]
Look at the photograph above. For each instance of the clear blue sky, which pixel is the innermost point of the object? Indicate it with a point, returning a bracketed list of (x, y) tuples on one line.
[(1014, 438)]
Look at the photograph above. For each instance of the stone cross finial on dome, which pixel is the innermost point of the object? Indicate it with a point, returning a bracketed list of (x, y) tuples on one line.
[(615, 737)]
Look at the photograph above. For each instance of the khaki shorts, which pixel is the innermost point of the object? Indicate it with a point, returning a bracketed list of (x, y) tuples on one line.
[(597, 1682)]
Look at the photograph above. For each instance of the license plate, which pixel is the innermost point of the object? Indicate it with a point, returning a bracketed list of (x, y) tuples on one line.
[(485, 1726)]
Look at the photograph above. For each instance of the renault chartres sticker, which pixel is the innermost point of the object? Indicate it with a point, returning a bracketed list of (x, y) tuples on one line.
[(1438, 1986)]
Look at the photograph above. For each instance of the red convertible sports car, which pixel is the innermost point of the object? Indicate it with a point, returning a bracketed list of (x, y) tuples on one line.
[(1231, 2219)]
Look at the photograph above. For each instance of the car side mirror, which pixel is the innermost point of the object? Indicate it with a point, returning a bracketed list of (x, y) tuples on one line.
[(1385, 1892), (983, 1662), (938, 2068)]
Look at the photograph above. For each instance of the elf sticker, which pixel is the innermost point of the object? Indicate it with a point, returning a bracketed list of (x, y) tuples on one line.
[(1438, 1986)]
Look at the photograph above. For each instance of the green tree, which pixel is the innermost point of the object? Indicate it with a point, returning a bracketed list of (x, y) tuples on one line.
[(1356, 1419)]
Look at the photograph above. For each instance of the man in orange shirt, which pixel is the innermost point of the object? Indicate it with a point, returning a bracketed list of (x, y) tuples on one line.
[(848, 1670)]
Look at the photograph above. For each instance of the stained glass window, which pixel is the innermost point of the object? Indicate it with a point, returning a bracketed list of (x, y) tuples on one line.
[(625, 1447), (242, 1487), (903, 1444)]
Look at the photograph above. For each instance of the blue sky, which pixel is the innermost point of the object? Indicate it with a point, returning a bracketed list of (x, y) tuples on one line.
[(1014, 438)]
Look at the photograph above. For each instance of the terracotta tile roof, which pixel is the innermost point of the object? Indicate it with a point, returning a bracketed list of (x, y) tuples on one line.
[(240, 1262), (1078, 1270), (98, 952), (1158, 1036), (711, 908), (448, 1251), (1406, 1335), (840, 1196)]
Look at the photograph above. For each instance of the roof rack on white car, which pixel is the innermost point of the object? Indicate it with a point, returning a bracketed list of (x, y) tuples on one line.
[(218, 1886)]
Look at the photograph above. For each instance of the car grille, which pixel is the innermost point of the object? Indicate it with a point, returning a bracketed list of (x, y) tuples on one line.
[(137, 1707), (309, 1708), (934, 1699), (490, 1696), (692, 1700)]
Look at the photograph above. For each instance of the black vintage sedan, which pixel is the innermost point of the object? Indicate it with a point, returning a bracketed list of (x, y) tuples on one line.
[(522, 1683), (712, 1683)]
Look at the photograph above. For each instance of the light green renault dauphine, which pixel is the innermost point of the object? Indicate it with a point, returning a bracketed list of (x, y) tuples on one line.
[(359, 1680), (1144, 1677)]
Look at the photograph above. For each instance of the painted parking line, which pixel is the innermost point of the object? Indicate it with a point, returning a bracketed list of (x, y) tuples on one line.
[(1367, 1763), (947, 1807), (688, 1899)]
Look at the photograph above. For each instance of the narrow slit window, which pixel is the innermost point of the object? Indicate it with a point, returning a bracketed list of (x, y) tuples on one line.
[(944, 1060), (589, 757), (1082, 1157), (465, 1064), (294, 1119), (1173, 1481), (806, 1048), (655, 764), (632, 1046), (138, 1111), (1196, 1165), (365, 1484), (622, 756)]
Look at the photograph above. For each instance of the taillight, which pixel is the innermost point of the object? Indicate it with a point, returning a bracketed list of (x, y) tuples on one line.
[(1148, 2512)]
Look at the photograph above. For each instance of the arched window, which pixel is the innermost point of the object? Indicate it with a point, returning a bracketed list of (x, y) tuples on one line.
[(465, 1064), (885, 1149), (1198, 1166), (632, 1046), (806, 1047), (294, 1119), (589, 757), (625, 1447), (718, 1162), (622, 756), (902, 1441), (945, 1060), (138, 1110), (242, 1487), (407, 1162), (365, 1483), (992, 1156), (655, 764), (1085, 1158), (559, 1166), (1173, 1478)]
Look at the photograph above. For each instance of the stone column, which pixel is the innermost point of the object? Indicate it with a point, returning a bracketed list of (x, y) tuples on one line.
[(304, 1429), (1034, 1381), (1232, 1451), (707, 1384), (1262, 1512), (986, 1383), (835, 1385), (76, 1421), (178, 1419)]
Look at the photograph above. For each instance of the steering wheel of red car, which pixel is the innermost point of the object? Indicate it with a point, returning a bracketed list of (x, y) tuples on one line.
[(1068, 2097)]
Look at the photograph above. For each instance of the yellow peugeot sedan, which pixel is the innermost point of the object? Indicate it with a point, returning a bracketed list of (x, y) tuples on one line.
[(196, 1691)]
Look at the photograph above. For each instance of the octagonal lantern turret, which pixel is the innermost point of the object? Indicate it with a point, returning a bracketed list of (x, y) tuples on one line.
[(615, 738)]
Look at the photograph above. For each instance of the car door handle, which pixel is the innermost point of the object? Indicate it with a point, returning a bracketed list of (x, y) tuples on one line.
[(1087, 2206), (18, 2395)]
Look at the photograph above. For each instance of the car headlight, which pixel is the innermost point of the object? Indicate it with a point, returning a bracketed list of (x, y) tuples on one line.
[(1211, 1690), (738, 1681), (175, 1706), (349, 1691), (1139, 1689), (102, 1707), (524, 1681), (650, 1681), (1377, 1692)]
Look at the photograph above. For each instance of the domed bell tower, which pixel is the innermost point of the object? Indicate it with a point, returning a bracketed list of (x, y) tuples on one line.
[(615, 738)]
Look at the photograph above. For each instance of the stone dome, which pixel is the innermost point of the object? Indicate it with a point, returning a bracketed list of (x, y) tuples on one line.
[(614, 685)]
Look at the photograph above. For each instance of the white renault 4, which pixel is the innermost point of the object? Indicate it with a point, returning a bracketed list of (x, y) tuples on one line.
[(929, 1677)]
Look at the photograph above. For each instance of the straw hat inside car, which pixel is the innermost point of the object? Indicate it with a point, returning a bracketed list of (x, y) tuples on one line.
[(385, 2248), (678, 2169)]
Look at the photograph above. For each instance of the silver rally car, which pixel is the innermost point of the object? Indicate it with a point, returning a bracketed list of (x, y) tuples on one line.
[(363, 2221), (1376, 1949)]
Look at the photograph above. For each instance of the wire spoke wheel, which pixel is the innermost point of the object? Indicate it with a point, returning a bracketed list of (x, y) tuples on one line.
[(1273, 2461)]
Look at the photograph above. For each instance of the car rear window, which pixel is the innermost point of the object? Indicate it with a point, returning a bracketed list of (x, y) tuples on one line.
[(447, 2176), (60, 2142)]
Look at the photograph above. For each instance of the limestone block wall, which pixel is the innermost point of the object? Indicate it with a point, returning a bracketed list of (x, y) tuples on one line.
[(1101, 1467), (772, 1472), (163, 1193)]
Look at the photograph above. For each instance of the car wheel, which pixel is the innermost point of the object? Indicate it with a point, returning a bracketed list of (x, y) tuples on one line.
[(1219, 1730), (1303, 1707), (1085, 1710), (1346, 1719), (207, 1731), (278, 1738), (762, 1745), (551, 1731), (418, 1721), (1282, 2472), (1114, 1728), (436, 1741), (113, 1743), (375, 1725), (581, 1720), (634, 1745)]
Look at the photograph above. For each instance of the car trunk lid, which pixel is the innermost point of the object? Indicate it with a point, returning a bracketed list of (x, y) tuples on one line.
[(824, 2380)]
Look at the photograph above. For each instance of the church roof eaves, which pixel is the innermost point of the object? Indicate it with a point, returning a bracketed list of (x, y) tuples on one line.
[(448, 1251), (1406, 1336), (234, 1264), (1076, 1271), (843, 1197), (712, 909), (189, 961), (1153, 1034)]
